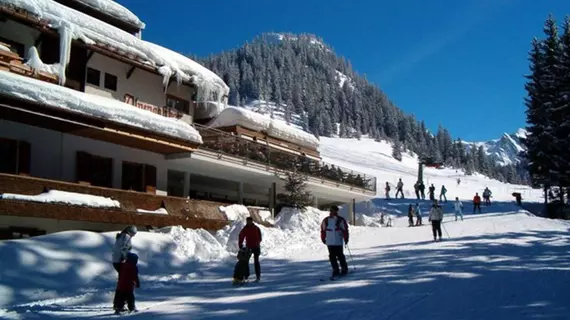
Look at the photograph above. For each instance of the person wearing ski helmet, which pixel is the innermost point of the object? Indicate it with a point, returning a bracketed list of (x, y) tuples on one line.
[(123, 246), (334, 229)]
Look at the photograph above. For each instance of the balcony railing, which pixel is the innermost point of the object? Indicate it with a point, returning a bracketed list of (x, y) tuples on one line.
[(229, 144)]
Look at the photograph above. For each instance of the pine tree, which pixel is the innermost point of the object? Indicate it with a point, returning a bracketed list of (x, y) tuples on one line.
[(562, 113), (539, 102), (397, 150), (296, 196)]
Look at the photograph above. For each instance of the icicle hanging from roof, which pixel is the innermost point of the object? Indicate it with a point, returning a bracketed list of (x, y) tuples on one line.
[(65, 38)]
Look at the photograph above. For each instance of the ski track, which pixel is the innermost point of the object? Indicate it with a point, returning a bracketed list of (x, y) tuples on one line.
[(459, 278)]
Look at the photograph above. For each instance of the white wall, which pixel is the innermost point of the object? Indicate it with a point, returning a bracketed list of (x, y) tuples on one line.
[(145, 86), (53, 156)]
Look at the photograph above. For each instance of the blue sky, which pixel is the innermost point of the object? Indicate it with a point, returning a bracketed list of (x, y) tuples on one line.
[(455, 63)]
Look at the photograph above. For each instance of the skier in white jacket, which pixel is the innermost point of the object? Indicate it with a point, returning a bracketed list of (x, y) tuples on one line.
[(458, 205), (334, 230), (123, 246), (436, 217)]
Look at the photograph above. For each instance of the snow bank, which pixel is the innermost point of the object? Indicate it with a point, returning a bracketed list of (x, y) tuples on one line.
[(157, 211), (232, 116), (61, 97), (367, 221), (306, 221), (113, 9), (71, 198), (294, 230), (73, 24), (197, 244), (235, 212)]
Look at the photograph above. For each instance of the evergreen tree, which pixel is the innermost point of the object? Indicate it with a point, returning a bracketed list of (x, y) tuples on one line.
[(397, 150), (562, 113), (541, 93), (296, 196)]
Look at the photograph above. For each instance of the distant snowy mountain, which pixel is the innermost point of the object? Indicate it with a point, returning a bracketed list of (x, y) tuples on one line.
[(504, 150)]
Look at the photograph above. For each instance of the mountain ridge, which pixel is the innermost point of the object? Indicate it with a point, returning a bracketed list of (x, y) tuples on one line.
[(306, 77), (504, 150)]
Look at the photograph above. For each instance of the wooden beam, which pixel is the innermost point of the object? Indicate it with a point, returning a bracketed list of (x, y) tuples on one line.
[(130, 72), (89, 55)]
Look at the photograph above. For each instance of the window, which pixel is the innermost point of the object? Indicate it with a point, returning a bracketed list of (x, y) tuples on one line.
[(139, 177), (110, 82), (95, 170), (132, 176), (178, 104), (175, 183), (15, 156), (9, 152), (93, 76)]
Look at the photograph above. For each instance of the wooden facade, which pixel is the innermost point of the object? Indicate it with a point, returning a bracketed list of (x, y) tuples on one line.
[(188, 213), (272, 142)]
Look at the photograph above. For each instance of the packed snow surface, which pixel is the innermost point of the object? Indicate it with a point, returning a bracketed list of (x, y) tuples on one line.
[(74, 25), (502, 264), (64, 197), (111, 8), (232, 116), (51, 95)]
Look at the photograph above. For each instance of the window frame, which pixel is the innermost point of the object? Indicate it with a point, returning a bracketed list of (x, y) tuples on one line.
[(98, 84), (114, 79)]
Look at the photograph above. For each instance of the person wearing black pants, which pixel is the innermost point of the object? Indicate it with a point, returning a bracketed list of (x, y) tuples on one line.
[(337, 253), (436, 229), (435, 217), (334, 234), (256, 252), (252, 236)]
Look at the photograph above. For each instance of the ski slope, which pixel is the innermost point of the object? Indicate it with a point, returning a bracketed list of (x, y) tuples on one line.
[(375, 158), (502, 264)]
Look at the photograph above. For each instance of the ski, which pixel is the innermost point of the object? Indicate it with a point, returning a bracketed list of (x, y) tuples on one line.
[(335, 278)]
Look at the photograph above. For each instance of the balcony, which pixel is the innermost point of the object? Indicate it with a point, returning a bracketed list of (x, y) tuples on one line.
[(188, 213), (12, 62), (259, 152)]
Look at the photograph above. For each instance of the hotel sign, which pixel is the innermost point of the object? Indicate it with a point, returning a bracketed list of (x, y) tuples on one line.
[(163, 111)]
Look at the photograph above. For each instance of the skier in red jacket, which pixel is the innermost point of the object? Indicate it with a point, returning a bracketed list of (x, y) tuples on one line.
[(128, 279), (252, 235)]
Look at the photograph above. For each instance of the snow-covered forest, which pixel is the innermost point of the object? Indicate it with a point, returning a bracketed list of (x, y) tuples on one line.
[(306, 76)]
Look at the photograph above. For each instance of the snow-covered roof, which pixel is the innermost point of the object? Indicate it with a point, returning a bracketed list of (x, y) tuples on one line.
[(73, 24), (208, 109), (37, 91), (115, 10), (236, 116)]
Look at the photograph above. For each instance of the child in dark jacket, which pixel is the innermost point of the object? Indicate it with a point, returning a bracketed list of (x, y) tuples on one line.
[(128, 279)]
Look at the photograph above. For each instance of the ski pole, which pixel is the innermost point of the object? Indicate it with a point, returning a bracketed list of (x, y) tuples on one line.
[(445, 230), (351, 259)]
